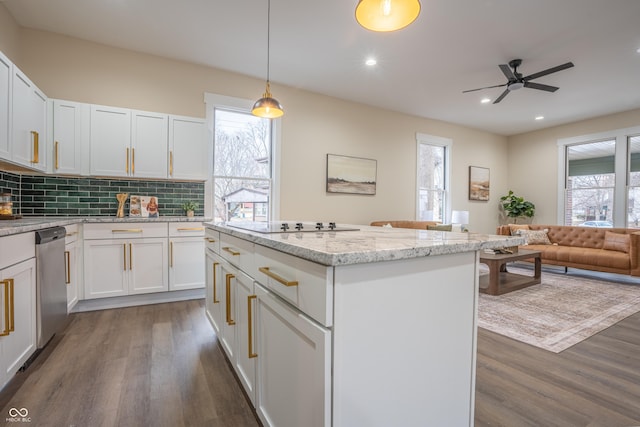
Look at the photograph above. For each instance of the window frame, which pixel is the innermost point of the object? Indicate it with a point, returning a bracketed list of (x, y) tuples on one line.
[(447, 144), (215, 101), (621, 171)]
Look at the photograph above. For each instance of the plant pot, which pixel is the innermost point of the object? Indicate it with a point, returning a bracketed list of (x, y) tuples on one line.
[(189, 213)]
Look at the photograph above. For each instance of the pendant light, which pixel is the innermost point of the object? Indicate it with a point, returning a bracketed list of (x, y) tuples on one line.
[(267, 107), (387, 15)]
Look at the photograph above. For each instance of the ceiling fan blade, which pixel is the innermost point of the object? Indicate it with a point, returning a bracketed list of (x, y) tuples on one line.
[(548, 71), (547, 88), (481, 88), (501, 97), (506, 70)]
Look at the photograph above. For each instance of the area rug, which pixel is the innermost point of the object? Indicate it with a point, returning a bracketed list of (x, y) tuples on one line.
[(560, 312)]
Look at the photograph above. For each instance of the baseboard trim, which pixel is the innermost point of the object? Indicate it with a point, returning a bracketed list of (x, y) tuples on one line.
[(134, 300)]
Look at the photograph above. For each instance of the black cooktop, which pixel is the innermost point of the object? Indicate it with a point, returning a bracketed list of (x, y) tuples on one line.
[(289, 227)]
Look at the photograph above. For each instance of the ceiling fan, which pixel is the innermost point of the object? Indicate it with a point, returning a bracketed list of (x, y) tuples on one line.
[(517, 81)]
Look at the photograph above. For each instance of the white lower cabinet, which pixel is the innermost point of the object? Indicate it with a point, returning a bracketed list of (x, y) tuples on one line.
[(17, 303), (125, 260), (294, 365), (214, 308), (73, 262), (186, 256), (281, 356)]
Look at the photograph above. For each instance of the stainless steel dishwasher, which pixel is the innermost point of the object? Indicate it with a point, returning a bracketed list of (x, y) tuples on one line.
[(51, 289)]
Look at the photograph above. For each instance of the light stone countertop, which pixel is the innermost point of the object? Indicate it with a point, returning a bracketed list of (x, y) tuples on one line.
[(370, 244), (27, 224)]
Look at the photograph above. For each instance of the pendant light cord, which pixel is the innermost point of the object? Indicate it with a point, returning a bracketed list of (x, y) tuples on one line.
[(268, 36)]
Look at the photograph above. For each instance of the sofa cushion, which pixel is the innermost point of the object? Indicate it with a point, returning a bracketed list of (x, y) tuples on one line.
[(616, 242), (535, 237), (514, 228)]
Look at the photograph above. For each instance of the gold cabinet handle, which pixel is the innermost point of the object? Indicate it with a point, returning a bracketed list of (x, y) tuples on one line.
[(129, 230), (171, 254), (133, 161), (67, 257), (36, 147), (230, 321), (215, 279), (210, 240), (231, 251), (170, 163), (250, 352), (57, 150), (130, 257), (126, 165), (73, 233), (124, 255), (7, 313), (12, 326), (277, 278), (191, 229)]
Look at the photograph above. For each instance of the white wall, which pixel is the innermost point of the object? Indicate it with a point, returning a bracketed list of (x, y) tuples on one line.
[(533, 168), (313, 126)]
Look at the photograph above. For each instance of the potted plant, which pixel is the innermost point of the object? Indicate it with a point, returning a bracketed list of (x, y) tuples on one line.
[(189, 207), (517, 207)]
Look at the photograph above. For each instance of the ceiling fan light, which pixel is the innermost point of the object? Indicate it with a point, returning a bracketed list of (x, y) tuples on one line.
[(267, 107), (387, 15)]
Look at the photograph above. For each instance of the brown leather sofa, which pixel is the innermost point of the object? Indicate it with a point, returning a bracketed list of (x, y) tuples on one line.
[(611, 250), (419, 225)]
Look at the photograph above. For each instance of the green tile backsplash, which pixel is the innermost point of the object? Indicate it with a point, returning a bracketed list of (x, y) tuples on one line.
[(35, 195)]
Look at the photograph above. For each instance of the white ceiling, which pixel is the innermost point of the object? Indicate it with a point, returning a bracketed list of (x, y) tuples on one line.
[(422, 70)]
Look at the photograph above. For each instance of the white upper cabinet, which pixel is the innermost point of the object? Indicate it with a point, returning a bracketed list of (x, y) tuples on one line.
[(188, 149), (5, 106), (70, 131), (29, 122), (148, 145), (110, 141)]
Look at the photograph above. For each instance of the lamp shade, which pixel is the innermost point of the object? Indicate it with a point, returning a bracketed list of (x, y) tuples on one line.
[(267, 107), (386, 15), (460, 217)]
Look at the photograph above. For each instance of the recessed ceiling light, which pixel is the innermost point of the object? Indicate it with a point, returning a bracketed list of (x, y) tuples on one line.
[(638, 50), (539, 117), (485, 100), (371, 62)]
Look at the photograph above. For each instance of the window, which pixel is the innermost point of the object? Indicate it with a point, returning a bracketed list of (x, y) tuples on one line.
[(244, 183), (433, 177), (599, 182), (591, 183)]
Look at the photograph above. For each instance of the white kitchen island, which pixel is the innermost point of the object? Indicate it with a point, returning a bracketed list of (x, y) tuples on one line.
[(374, 327)]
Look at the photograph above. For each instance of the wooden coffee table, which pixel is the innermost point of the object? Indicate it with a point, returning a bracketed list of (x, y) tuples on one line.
[(499, 281)]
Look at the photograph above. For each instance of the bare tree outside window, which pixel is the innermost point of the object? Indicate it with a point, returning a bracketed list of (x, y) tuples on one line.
[(431, 182), (591, 182), (242, 167)]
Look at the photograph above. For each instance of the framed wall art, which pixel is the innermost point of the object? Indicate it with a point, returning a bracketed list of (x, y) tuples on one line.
[(353, 175), (479, 183)]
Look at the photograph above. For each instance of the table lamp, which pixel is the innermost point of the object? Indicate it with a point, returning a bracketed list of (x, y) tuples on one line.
[(460, 218)]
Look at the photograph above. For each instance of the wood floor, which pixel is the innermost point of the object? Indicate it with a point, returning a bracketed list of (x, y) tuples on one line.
[(160, 365), (155, 365)]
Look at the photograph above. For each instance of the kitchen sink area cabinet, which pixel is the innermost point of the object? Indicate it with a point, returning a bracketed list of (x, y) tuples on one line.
[(188, 149), (69, 124), (29, 120), (125, 259), (186, 256), (6, 72), (213, 296), (18, 338)]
